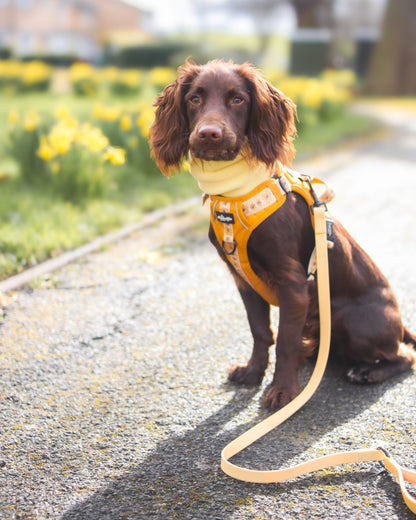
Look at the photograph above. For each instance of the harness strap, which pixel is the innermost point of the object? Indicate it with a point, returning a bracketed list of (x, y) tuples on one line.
[(235, 218), (246, 439)]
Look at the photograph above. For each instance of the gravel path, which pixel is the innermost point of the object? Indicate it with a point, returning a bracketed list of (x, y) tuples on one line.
[(113, 396)]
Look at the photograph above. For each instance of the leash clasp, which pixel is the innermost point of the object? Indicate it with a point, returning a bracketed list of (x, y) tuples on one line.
[(316, 201), (381, 462), (386, 453)]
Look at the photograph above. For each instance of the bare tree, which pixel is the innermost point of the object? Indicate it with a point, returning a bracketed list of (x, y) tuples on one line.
[(313, 13), (392, 69)]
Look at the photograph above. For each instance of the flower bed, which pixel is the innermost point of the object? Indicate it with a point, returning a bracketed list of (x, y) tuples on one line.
[(80, 156)]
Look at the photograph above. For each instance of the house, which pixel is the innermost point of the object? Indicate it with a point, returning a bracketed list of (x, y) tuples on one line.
[(76, 28), (336, 34)]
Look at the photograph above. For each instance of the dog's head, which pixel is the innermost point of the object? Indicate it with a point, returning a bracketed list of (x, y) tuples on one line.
[(212, 109)]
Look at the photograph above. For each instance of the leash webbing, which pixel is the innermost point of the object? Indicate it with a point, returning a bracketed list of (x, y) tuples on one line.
[(256, 432)]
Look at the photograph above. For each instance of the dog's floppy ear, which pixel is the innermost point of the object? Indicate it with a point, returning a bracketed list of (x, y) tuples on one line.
[(271, 128), (169, 133)]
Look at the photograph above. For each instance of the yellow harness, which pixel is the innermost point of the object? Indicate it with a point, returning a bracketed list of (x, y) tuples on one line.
[(235, 218)]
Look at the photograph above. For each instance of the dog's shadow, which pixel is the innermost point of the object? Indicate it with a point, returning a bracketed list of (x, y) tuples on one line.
[(181, 478)]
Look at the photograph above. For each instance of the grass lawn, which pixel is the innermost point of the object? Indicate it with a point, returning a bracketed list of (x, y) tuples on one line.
[(327, 135), (36, 225)]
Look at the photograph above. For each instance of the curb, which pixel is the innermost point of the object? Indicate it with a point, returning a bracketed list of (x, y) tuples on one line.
[(17, 281)]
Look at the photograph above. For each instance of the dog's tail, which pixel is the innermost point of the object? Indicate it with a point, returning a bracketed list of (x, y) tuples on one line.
[(409, 338)]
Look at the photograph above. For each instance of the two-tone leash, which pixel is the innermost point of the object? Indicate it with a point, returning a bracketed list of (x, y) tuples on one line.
[(246, 439)]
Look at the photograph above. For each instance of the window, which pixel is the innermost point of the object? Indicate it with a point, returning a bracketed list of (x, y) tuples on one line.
[(25, 43), (25, 4)]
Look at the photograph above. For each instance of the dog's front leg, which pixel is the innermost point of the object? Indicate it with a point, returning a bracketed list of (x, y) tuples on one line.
[(293, 301), (258, 314)]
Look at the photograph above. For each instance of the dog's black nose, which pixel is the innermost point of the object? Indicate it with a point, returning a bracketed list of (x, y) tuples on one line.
[(210, 133)]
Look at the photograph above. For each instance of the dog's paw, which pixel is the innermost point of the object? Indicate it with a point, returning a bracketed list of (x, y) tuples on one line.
[(359, 375), (367, 374), (277, 398), (245, 375)]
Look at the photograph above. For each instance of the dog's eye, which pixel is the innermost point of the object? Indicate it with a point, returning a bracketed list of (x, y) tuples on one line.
[(195, 100), (237, 100)]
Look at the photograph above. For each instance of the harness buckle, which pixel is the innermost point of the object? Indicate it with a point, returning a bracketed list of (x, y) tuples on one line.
[(284, 184)]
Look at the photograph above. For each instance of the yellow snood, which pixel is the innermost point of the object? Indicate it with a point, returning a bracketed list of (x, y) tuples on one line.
[(229, 178)]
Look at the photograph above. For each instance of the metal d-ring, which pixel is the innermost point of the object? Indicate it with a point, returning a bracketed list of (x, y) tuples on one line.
[(229, 253)]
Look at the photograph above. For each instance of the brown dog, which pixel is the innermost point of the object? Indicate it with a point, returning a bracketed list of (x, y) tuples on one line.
[(217, 111)]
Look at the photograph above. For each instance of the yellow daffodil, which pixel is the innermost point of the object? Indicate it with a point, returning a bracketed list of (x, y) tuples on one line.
[(80, 71), (313, 94), (145, 120), (344, 78), (92, 138), (35, 72), (45, 151), (126, 123), (62, 112), (31, 121), (115, 155), (108, 114), (130, 77), (161, 76), (13, 117), (61, 137)]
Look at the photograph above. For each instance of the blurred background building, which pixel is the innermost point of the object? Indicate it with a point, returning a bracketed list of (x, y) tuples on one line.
[(303, 37), (68, 27)]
